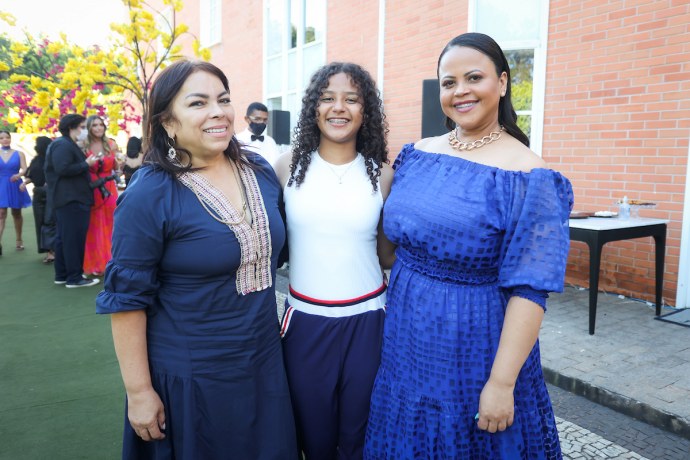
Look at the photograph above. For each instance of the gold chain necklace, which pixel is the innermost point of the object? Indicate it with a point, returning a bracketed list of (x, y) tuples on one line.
[(340, 176), (244, 202), (459, 145)]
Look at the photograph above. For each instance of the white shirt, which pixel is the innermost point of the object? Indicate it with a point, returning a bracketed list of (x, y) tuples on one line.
[(267, 149), (332, 219)]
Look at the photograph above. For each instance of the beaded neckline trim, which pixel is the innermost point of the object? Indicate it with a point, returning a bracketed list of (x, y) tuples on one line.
[(254, 272)]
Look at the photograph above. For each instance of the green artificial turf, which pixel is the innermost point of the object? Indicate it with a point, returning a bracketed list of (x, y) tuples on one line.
[(61, 395)]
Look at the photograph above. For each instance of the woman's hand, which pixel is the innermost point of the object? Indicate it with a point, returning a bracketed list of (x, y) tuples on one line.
[(15, 177), (146, 414), (496, 407), (22, 187)]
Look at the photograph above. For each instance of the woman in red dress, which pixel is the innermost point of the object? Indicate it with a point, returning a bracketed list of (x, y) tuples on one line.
[(98, 239)]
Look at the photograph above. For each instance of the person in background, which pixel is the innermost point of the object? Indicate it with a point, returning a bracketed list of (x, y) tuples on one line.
[(254, 137), (481, 225), (35, 175), (99, 236), (190, 288), (13, 194), (134, 158), (335, 184), (69, 192)]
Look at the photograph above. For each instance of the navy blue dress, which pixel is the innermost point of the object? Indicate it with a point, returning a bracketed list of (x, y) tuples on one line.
[(215, 356), (469, 237)]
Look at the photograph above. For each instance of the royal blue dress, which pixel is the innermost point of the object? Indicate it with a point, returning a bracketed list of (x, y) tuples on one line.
[(215, 356), (469, 237), (10, 195)]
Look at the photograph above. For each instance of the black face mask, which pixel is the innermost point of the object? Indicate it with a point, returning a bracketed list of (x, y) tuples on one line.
[(257, 128)]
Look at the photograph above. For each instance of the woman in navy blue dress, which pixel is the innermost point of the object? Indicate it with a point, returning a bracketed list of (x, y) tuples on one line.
[(481, 226), (190, 286)]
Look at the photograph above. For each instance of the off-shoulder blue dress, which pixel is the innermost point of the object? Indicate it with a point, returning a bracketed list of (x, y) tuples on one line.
[(215, 356), (469, 237)]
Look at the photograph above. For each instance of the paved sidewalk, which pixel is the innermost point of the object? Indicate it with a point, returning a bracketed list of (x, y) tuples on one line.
[(634, 364)]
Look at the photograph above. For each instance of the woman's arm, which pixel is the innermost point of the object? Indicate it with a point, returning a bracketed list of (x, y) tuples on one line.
[(384, 248), (520, 331), (145, 409)]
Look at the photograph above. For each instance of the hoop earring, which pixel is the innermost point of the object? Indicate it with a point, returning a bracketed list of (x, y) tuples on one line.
[(172, 153)]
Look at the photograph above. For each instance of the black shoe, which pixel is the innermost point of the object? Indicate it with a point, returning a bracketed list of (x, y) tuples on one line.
[(83, 283)]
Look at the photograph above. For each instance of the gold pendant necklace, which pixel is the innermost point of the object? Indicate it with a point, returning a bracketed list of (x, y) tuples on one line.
[(235, 170), (459, 145), (340, 176)]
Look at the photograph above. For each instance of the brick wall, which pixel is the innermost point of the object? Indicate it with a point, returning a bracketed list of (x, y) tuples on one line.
[(415, 35), (240, 52), (616, 112), (352, 33), (616, 123)]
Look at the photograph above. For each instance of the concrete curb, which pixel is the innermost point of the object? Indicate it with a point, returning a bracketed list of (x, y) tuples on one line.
[(620, 403)]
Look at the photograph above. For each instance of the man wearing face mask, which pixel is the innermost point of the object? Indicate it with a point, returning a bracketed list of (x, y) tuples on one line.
[(70, 198), (254, 138)]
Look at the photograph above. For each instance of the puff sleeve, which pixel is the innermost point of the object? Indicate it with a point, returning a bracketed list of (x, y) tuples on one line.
[(140, 224), (537, 236)]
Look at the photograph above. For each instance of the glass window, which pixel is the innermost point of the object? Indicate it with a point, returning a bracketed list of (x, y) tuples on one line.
[(520, 30), (508, 20), (295, 32), (275, 13), (210, 26), (314, 22), (521, 64)]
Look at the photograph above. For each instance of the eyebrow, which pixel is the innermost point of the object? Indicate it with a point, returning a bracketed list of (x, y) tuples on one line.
[(346, 92), (205, 96), (464, 75)]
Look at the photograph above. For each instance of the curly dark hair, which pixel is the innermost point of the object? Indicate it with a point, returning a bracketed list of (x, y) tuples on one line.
[(160, 101), (488, 46), (371, 137)]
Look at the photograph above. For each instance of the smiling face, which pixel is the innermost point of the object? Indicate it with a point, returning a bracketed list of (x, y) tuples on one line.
[(202, 116), (339, 112), (97, 128), (470, 90), (5, 140)]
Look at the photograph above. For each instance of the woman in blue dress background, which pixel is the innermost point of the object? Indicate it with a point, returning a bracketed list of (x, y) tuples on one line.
[(481, 226), (190, 285), (13, 192)]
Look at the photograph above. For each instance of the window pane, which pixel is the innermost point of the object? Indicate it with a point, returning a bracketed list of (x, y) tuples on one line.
[(294, 22), (521, 64), (275, 103), (274, 81), (315, 18), (509, 20), (312, 60), (292, 70), (274, 34)]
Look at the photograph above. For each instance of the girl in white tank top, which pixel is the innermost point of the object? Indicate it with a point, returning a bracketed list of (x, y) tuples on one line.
[(335, 183)]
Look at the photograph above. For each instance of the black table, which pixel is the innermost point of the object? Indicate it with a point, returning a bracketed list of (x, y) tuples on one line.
[(596, 232)]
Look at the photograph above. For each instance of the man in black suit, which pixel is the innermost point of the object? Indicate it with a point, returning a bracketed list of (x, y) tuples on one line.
[(67, 177)]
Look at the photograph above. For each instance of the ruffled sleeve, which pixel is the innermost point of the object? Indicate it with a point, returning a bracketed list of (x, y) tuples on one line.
[(400, 159), (140, 224), (537, 239)]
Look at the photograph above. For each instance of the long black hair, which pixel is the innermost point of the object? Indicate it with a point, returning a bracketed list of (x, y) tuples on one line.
[(160, 101), (371, 137), (488, 46)]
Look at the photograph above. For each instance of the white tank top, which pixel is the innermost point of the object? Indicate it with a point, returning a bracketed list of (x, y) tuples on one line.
[(332, 221)]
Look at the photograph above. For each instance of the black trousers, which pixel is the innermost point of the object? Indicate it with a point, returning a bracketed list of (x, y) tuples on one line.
[(70, 241), (38, 205)]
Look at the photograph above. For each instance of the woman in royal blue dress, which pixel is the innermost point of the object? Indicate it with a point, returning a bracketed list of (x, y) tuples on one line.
[(13, 192), (482, 231), (190, 285)]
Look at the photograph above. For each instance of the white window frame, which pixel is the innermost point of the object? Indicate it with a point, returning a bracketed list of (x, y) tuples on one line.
[(210, 24), (539, 72), (285, 92)]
